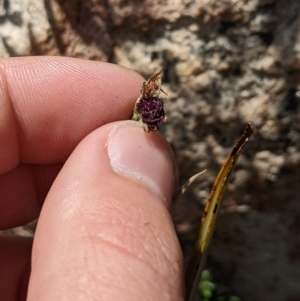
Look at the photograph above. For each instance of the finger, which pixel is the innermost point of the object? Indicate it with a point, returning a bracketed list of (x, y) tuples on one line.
[(105, 231), (48, 104), (23, 191), (15, 267)]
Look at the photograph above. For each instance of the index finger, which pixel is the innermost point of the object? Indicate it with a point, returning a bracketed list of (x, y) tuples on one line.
[(49, 104)]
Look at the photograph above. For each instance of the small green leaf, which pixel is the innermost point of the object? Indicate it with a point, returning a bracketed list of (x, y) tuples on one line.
[(135, 117)]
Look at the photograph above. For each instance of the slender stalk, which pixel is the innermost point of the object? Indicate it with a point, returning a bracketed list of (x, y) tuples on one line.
[(208, 221)]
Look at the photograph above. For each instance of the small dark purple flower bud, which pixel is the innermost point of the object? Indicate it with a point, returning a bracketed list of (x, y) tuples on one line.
[(149, 107), (152, 112)]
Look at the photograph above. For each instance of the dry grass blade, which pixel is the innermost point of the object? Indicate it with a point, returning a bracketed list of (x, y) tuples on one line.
[(183, 189), (211, 211)]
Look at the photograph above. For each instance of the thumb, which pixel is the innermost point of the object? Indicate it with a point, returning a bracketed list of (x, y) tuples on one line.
[(105, 232)]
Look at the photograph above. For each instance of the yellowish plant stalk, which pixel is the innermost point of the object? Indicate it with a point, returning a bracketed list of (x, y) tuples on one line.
[(210, 215)]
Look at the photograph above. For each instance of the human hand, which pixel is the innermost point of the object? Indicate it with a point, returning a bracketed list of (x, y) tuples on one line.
[(101, 235)]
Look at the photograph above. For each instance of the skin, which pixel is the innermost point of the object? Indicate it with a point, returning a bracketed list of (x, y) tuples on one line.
[(101, 235)]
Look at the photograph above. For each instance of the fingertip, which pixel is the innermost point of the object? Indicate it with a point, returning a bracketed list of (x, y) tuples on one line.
[(101, 216), (52, 103), (145, 156)]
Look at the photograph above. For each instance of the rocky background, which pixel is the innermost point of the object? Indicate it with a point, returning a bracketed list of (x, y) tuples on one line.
[(226, 62)]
